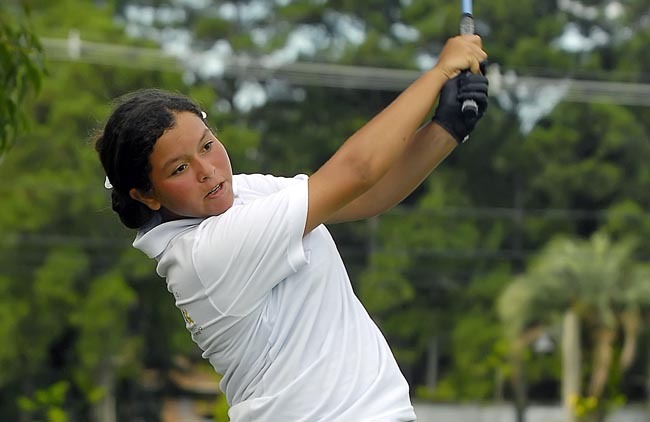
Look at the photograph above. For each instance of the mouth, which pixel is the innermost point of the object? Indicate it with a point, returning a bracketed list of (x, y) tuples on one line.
[(215, 190)]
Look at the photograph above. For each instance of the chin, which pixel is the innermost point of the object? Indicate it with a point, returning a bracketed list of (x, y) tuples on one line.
[(219, 207), (214, 213)]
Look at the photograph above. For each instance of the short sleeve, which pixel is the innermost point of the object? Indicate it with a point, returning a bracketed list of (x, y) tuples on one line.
[(242, 254)]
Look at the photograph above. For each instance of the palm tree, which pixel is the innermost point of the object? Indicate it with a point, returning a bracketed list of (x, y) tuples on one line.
[(594, 285)]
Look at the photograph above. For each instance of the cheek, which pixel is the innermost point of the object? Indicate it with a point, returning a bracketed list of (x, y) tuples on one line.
[(222, 157), (174, 191)]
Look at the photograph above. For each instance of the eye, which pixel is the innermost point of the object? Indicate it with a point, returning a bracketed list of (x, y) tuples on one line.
[(180, 169), (208, 146)]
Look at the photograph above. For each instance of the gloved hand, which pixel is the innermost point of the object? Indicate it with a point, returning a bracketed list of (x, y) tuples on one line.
[(465, 86)]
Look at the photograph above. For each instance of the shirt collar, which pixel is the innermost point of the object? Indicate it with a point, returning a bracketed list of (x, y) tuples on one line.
[(154, 240), (154, 237)]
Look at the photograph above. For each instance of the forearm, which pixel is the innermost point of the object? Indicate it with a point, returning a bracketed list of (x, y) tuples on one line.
[(389, 134), (371, 151), (425, 151), (368, 155)]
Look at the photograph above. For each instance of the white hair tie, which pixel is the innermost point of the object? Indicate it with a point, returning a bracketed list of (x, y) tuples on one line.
[(107, 183)]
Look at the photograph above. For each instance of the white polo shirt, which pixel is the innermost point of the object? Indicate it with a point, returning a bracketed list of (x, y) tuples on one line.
[(274, 312)]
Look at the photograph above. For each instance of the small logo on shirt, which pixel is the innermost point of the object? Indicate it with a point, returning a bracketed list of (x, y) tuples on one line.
[(191, 325)]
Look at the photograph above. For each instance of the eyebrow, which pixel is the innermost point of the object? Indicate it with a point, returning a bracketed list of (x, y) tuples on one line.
[(205, 134)]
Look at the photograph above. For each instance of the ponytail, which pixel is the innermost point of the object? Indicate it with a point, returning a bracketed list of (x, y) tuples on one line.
[(133, 214)]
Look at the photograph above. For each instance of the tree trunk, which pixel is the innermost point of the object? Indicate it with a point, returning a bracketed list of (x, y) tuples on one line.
[(519, 388), (571, 363), (498, 385), (27, 389), (432, 364), (518, 377), (602, 360), (647, 379), (105, 409), (631, 324)]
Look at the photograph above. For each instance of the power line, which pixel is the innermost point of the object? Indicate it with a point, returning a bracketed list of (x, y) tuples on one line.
[(332, 75)]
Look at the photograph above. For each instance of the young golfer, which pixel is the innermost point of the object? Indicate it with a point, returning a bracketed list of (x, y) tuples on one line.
[(248, 259)]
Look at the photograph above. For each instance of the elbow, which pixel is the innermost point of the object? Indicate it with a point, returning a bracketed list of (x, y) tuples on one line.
[(361, 173)]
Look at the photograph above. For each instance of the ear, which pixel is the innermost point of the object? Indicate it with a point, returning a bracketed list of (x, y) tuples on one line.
[(146, 198)]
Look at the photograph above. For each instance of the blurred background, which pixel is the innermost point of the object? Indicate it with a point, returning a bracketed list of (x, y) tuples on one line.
[(514, 285)]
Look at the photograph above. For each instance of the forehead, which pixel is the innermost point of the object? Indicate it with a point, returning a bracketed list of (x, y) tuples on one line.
[(187, 126), (181, 139)]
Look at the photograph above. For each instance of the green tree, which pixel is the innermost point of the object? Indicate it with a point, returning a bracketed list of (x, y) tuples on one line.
[(68, 271), (593, 286), (528, 186), (21, 67), (430, 271)]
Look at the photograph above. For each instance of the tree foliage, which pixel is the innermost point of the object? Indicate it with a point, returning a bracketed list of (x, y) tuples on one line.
[(602, 290), (82, 310), (20, 70)]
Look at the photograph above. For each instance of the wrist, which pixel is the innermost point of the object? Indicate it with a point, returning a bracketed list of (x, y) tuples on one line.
[(444, 74), (439, 73), (458, 136), (443, 136)]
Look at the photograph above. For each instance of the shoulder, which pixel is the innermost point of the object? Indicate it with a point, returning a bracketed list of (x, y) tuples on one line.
[(263, 183), (273, 219)]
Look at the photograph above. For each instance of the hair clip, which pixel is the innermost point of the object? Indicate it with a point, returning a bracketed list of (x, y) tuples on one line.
[(204, 115), (107, 183)]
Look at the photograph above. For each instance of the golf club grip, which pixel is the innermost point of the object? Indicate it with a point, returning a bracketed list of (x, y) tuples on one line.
[(467, 27), (466, 24)]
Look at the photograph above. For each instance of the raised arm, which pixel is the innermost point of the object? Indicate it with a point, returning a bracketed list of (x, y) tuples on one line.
[(427, 148), (368, 155)]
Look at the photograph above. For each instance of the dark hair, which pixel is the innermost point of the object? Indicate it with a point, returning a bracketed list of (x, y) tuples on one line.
[(124, 146)]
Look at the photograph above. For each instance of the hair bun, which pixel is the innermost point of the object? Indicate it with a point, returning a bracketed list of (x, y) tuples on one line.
[(133, 214)]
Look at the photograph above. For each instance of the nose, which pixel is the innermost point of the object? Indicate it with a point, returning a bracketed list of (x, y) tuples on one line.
[(205, 170)]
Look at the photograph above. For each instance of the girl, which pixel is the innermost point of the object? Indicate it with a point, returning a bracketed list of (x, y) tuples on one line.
[(248, 259)]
